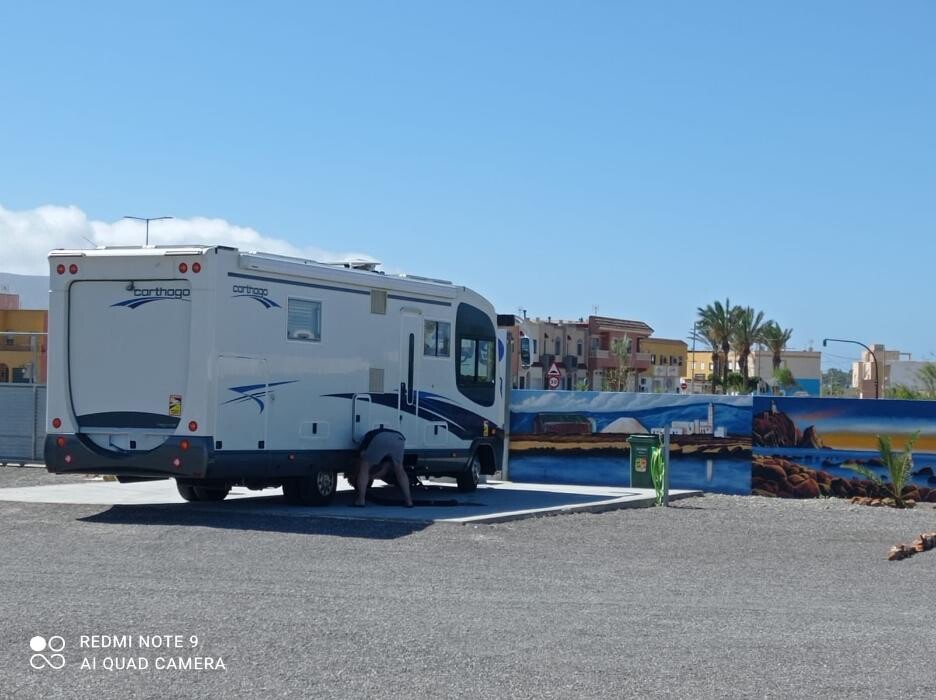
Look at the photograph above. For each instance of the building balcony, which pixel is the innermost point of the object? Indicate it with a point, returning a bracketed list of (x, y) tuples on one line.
[(605, 359)]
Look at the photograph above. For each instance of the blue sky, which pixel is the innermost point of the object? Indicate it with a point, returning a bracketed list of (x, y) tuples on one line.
[(647, 158)]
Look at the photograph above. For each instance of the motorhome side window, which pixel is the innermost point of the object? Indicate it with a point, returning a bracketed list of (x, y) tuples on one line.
[(437, 339), (303, 320), (475, 370)]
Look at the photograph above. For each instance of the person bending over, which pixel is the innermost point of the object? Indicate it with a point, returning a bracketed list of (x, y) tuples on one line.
[(382, 452)]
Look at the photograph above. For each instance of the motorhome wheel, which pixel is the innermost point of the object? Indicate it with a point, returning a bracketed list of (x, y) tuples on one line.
[(469, 479)]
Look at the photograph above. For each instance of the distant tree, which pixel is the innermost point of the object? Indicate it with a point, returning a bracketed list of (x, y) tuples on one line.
[(746, 330), (927, 376), (835, 382), (784, 378), (705, 336), (616, 378), (736, 382), (776, 339), (902, 391), (717, 321)]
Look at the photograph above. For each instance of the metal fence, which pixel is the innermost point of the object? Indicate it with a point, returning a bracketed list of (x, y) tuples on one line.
[(22, 422)]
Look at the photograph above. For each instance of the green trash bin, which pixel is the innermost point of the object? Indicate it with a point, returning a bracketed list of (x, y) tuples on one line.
[(640, 446)]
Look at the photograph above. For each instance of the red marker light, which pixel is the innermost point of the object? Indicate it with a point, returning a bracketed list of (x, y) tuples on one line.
[(184, 444), (192, 426), (68, 459), (196, 267), (60, 269), (60, 441), (56, 423), (183, 268), (176, 462), (73, 268)]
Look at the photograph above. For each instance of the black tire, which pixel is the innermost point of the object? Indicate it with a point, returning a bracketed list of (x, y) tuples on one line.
[(187, 492), (315, 490), (212, 494), (469, 479)]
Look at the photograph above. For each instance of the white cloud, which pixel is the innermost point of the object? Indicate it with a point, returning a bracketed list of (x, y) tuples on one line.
[(27, 236)]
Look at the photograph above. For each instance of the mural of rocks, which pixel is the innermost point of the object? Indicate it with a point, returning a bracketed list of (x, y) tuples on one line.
[(775, 476), (807, 447)]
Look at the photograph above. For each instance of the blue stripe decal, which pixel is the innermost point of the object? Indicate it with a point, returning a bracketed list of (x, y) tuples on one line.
[(254, 392), (298, 284), (462, 423)]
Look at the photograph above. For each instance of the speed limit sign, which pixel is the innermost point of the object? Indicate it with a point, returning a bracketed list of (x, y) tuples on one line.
[(553, 382)]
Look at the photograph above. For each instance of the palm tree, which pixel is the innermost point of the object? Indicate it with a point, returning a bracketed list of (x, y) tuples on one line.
[(717, 323), (747, 330), (776, 339)]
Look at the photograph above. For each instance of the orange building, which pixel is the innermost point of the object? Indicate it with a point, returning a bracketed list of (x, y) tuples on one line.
[(22, 342)]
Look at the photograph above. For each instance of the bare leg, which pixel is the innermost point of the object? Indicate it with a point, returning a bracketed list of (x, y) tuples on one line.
[(403, 481), (363, 476)]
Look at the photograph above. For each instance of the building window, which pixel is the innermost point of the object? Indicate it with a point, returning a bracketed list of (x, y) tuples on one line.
[(558, 347), (672, 360), (662, 359), (535, 344), (437, 339), (4, 374), (303, 320), (680, 360), (579, 348), (652, 359)]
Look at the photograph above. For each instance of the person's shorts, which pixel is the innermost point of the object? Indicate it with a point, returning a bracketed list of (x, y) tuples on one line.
[(382, 444)]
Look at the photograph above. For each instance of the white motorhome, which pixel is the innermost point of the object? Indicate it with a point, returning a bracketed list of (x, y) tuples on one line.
[(217, 367)]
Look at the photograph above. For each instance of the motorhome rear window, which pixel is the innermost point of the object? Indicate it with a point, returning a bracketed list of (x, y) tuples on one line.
[(303, 320)]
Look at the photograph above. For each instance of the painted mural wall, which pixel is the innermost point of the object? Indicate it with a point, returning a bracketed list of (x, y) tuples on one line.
[(580, 437), (788, 447), (806, 447)]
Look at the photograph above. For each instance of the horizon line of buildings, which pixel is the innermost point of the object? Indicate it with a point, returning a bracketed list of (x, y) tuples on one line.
[(580, 355)]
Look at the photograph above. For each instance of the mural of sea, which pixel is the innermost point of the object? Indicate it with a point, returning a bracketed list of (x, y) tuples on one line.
[(805, 447), (580, 437)]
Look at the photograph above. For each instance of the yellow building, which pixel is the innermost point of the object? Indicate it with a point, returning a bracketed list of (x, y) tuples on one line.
[(23, 357), (667, 364)]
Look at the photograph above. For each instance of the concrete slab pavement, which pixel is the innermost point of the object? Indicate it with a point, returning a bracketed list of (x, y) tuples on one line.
[(492, 502)]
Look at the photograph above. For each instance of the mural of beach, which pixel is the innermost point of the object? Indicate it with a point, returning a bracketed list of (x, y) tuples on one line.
[(580, 437), (805, 447)]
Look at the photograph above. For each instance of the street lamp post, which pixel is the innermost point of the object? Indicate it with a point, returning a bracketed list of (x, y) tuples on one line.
[(147, 220), (877, 376)]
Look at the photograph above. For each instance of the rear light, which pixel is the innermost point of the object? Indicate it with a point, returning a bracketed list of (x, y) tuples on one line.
[(60, 269), (73, 268), (56, 423), (176, 462), (60, 441), (196, 267), (184, 444), (192, 426), (68, 459), (183, 268)]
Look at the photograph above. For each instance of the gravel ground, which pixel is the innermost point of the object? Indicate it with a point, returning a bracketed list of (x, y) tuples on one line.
[(715, 596)]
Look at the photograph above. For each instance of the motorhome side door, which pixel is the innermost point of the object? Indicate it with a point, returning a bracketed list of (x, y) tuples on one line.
[(244, 404), (410, 353)]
